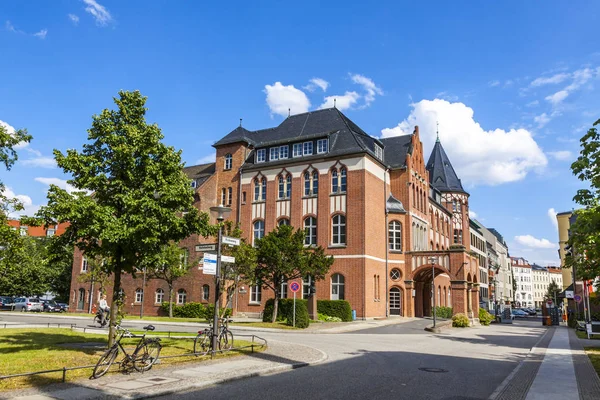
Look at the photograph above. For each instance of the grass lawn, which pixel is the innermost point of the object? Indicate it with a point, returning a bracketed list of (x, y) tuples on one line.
[(30, 350), (583, 335), (594, 355)]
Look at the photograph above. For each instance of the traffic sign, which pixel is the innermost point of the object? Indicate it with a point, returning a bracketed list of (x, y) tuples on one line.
[(294, 286), (206, 247), (228, 259), (549, 303), (231, 241), (209, 264), (577, 298)]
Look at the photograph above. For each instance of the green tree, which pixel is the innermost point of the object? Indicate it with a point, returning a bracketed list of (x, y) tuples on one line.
[(29, 275), (169, 265), (59, 260), (553, 289), (132, 196), (282, 256), (584, 237)]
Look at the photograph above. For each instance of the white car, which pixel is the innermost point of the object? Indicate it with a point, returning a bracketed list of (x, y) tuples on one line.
[(28, 304)]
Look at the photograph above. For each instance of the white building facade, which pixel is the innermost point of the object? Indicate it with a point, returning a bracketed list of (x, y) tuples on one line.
[(523, 280)]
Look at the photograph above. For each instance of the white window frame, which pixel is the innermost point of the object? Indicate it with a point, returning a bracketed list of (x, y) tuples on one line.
[(283, 152), (50, 232), (283, 290), (261, 155), (181, 296), (193, 184), (297, 150), (306, 284), (274, 154), (228, 161), (307, 148), (258, 232), (205, 293), (84, 264), (255, 294), (336, 239), (159, 296), (322, 146), (23, 230), (339, 285), (310, 231), (378, 152), (139, 295), (395, 235)]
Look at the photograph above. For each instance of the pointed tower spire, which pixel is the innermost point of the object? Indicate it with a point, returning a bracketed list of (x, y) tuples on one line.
[(441, 173), (437, 131)]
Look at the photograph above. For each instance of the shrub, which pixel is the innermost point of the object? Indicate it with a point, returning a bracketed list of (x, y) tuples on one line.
[(485, 318), (460, 320), (209, 312), (285, 308), (189, 310), (327, 318), (335, 308), (443, 312)]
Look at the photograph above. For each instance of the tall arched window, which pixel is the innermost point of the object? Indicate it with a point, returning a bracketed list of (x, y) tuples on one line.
[(259, 229), (337, 287), (315, 182), (281, 187), (338, 229), (139, 295), (307, 183), (306, 284), (264, 189), (288, 188), (334, 181), (229, 195), (223, 196), (395, 236), (310, 229), (283, 221), (228, 160), (205, 292), (181, 296), (256, 190), (343, 180), (159, 296)]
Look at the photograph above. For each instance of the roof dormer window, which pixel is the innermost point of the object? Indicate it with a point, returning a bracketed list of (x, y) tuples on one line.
[(379, 152), (322, 146), (194, 184), (261, 155), (308, 148), (274, 153)]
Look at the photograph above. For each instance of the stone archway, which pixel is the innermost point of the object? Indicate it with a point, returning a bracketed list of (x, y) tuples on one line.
[(422, 280)]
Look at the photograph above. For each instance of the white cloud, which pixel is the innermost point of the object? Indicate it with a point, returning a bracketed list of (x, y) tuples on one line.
[(28, 207), (74, 19), (561, 155), (479, 156), (317, 82), (41, 34), (530, 241), (369, 86), (281, 98), (552, 215), (541, 119), (206, 159), (41, 162), (558, 78), (494, 83), (11, 130), (341, 102), (534, 103), (508, 82), (557, 97), (472, 214), (11, 28), (61, 183), (98, 11)]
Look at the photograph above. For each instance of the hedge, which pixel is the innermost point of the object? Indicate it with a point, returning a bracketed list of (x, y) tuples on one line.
[(285, 312), (460, 320), (335, 308), (193, 310), (443, 312), (485, 318)]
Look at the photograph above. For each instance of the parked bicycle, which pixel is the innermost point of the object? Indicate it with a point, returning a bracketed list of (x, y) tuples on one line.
[(204, 339), (144, 356)]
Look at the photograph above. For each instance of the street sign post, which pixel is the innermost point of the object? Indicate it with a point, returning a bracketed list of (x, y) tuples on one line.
[(209, 264), (206, 247), (228, 259), (294, 287), (231, 241), (577, 298)]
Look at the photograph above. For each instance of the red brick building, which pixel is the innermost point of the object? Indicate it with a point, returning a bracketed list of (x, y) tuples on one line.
[(38, 231), (373, 204)]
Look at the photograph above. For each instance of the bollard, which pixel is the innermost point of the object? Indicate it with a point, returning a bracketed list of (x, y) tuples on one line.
[(64, 374)]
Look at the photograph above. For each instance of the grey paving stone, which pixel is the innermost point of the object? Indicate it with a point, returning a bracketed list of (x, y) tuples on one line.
[(587, 380), (129, 385)]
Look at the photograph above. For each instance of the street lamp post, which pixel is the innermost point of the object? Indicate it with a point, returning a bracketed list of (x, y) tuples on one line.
[(220, 213), (433, 260)]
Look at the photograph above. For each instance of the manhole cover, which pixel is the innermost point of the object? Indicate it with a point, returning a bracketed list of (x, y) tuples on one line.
[(437, 370)]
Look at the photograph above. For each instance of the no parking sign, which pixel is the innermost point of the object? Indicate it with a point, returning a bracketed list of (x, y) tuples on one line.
[(294, 287)]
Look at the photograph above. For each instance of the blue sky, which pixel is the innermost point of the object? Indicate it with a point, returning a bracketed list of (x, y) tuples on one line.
[(512, 84)]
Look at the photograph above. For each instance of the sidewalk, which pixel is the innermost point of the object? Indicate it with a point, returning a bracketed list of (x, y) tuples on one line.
[(160, 381), (556, 368)]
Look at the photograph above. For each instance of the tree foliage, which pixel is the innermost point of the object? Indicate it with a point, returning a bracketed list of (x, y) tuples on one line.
[(132, 197), (29, 275), (552, 291), (282, 256), (584, 237)]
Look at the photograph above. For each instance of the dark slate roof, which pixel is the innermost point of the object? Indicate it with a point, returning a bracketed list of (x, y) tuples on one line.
[(200, 173), (396, 149), (345, 137), (394, 206), (538, 267), (498, 235), (441, 172)]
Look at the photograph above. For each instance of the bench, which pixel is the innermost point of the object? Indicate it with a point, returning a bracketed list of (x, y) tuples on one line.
[(593, 329)]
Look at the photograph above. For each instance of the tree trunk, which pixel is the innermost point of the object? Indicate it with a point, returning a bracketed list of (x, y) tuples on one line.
[(275, 304), (170, 301), (114, 307)]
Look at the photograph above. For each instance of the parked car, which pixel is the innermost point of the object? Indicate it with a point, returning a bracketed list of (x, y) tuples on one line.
[(28, 304), (64, 307), (51, 306), (7, 303), (519, 313), (529, 311)]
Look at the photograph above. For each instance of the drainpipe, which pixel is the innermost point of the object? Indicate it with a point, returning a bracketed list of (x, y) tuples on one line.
[(239, 208), (387, 247)]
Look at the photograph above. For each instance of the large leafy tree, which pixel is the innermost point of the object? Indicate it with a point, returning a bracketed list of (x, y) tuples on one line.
[(131, 197), (584, 240), (282, 256), (552, 291), (30, 274)]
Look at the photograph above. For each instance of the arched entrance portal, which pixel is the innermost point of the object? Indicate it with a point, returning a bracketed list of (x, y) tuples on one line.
[(422, 280), (395, 301)]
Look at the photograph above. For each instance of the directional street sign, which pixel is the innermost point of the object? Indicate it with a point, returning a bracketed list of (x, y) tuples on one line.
[(228, 259), (206, 247), (231, 241), (210, 264), (294, 286)]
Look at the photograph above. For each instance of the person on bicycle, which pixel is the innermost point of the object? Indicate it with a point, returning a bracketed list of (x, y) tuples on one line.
[(104, 309)]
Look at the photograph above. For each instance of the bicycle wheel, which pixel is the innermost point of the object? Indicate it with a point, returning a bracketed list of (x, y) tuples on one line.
[(146, 355), (105, 361), (202, 344), (226, 340)]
